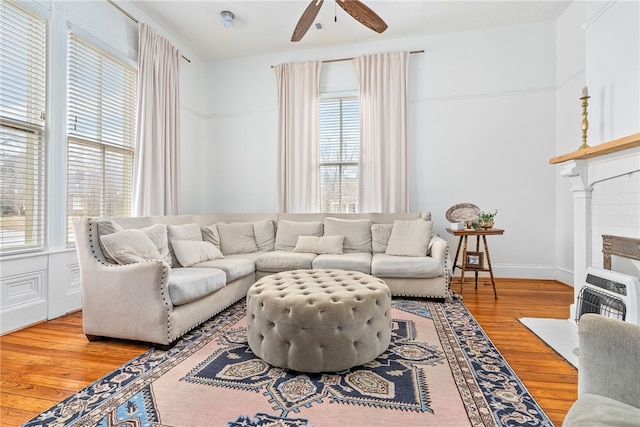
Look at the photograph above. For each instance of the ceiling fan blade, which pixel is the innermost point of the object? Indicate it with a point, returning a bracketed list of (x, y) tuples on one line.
[(363, 14), (305, 21)]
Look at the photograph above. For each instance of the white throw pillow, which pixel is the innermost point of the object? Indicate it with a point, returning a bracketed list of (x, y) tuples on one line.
[(190, 252), (156, 232), (410, 238), (182, 232), (129, 246), (236, 238), (288, 232), (320, 245), (380, 234), (357, 233)]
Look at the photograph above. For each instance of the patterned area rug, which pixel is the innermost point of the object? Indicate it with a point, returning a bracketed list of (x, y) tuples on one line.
[(439, 370)]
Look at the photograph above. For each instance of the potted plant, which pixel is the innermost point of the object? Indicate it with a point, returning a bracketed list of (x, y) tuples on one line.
[(485, 219)]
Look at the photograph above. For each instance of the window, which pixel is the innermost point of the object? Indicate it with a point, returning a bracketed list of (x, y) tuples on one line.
[(339, 154), (101, 131), (22, 146)]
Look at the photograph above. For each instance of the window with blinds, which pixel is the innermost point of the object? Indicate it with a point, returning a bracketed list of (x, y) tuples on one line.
[(339, 154), (101, 131), (22, 125)]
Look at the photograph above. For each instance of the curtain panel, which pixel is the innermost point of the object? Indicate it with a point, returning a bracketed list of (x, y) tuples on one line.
[(157, 159), (298, 130), (383, 131)]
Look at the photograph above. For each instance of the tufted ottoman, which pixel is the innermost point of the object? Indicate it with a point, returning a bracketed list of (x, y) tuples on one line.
[(318, 320)]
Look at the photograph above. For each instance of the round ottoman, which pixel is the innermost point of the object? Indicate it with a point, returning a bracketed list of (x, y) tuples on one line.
[(318, 320)]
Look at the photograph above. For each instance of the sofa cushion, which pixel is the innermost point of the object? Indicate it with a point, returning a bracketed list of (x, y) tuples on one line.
[(190, 252), (210, 234), (380, 234), (356, 232), (234, 267), (383, 265), (182, 232), (592, 410), (157, 233), (236, 238), (277, 261), (288, 232), (355, 261), (410, 238), (319, 245), (265, 235), (191, 284)]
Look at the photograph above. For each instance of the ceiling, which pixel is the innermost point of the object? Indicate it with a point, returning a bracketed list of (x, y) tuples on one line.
[(265, 26)]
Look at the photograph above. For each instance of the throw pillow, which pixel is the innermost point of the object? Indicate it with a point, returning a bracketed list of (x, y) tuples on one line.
[(129, 246), (236, 238), (288, 232), (320, 245), (182, 232), (156, 232), (410, 238), (190, 252), (380, 234), (356, 232)]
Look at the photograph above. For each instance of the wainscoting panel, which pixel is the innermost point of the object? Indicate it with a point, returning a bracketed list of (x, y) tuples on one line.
[(23, 292)]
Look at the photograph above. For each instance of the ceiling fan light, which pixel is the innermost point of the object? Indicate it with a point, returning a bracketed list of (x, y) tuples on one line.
[(227, 18)]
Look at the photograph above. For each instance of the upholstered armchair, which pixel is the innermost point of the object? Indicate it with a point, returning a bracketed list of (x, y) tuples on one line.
[(608, 374)]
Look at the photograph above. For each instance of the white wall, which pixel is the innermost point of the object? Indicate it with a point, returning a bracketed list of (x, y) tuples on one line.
[(481, 130), (613, 69), (570, 79)]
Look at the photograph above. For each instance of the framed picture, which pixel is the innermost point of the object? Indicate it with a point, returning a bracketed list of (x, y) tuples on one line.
[(475, 260)]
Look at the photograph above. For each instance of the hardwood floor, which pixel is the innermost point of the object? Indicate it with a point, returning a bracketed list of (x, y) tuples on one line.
[(43, 364)]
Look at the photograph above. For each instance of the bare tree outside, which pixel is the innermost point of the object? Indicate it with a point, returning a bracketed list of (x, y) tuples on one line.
[(339, 154)]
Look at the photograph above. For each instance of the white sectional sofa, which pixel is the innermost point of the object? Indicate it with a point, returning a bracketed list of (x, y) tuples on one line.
[(155, 278)]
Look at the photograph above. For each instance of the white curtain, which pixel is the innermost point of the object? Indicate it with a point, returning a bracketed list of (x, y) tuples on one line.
[(156, 189), (298, 129), (383, 131)]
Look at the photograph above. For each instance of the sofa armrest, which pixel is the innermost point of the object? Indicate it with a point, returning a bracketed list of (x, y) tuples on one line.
[(126, 301), (609, 360), (440, 251)]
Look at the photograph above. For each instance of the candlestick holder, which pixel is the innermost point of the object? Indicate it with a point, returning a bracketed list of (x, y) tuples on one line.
[(585, 121)]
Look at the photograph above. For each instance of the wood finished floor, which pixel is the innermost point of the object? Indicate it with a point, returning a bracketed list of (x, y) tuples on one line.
[(43, 364)]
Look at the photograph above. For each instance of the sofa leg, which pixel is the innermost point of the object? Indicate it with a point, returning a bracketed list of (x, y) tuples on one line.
[(93, 338), (165, 347)]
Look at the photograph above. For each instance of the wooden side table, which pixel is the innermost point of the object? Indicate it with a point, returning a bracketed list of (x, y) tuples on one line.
[(472, 261)]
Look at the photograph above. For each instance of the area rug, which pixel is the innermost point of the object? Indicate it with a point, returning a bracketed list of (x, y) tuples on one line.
[(439, 370)]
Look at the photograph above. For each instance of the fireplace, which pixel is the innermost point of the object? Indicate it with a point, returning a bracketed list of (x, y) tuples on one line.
[(605, 187)]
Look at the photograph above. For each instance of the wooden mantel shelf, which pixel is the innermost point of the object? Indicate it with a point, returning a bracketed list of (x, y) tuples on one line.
[(599, 150)]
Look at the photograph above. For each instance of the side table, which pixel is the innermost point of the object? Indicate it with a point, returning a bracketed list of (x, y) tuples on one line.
[(473, 261)]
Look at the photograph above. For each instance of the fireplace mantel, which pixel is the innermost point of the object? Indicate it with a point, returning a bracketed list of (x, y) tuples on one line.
[(600, 150)]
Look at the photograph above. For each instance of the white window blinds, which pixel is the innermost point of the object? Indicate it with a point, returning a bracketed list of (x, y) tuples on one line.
[(339, 154), (101, 130), (22, 124)]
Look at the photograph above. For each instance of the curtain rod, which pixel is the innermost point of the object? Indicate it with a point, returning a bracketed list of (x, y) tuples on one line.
[(351, 58), (125, 13)]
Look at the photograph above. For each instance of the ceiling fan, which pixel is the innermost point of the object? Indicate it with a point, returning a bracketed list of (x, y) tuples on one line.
[(358, 10)]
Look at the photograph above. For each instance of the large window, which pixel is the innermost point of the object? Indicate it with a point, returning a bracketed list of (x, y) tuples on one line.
[(101, 130), (339, 154), (22, 124)]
